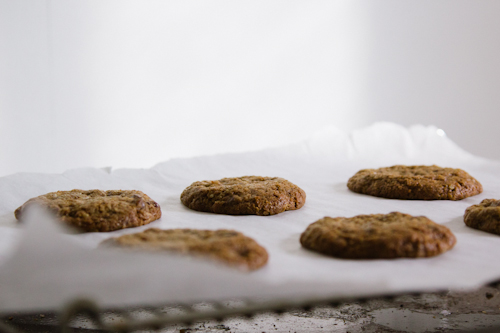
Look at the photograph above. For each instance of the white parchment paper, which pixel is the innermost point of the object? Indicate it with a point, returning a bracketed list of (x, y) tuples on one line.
[(42, 267)]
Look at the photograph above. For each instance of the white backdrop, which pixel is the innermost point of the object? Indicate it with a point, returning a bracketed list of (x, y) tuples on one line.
[(133, 83)]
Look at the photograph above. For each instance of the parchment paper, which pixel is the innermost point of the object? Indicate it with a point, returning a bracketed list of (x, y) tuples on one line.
[(43, 267)]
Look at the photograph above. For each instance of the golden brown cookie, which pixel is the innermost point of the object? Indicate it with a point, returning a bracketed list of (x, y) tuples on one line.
[(228, 246), (249, 195), (378, 236), (485, 216), (96, 210), (418, 182)]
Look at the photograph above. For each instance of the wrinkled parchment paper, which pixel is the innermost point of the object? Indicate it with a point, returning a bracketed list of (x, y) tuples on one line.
[(43, 266)]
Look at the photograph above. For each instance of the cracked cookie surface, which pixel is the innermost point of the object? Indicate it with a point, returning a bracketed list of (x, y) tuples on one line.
[(248, 195), (484, 216), (420, 182), (378, 236), (96, 210), (227, 246)]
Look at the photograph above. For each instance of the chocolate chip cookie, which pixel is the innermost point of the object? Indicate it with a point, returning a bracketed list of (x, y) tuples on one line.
[(249, 195), (485, 216), (419, 182), (228, 246), (378, 236), (97, 210)]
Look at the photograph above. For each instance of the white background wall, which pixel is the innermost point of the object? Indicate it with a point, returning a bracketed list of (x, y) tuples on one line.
[(132, 83)]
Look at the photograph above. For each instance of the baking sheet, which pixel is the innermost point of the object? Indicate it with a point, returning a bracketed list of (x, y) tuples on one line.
[(42, 267)]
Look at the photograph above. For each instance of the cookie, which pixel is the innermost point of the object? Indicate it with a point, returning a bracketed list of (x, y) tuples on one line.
[(378, 236), (419, 182), (249, 195), (228, 246), (96, 210), (485, 216)]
